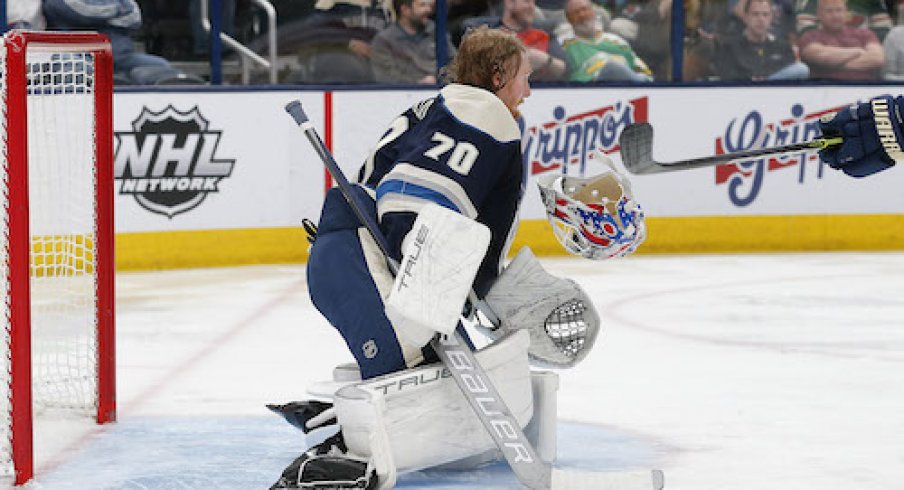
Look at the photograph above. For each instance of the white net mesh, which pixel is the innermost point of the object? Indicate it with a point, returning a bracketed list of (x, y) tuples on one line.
[(62, 221), (62, 217)]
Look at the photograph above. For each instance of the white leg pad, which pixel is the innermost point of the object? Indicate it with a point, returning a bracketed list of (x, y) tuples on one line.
[(343, 375), (418, 418), (363, 427), (541, 431)]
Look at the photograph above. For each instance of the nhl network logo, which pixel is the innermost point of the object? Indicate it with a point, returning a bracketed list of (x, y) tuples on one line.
[(168, 160)]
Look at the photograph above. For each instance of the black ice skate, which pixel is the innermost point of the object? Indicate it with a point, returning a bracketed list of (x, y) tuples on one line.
[(305, 415), (327, 466)]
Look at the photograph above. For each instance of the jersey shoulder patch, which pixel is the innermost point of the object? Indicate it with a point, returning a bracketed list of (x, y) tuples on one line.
[(420, 109)]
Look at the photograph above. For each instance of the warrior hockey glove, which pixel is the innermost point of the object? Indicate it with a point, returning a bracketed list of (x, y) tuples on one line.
[(873, 139)]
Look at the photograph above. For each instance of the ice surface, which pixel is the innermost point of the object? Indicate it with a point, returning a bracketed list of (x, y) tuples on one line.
[(748, 372)]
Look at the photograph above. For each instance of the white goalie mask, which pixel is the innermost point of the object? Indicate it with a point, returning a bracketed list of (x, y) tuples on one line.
[(594, 217)]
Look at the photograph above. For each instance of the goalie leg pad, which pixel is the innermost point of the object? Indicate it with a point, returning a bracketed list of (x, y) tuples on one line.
[(419, 418), (541, 431)]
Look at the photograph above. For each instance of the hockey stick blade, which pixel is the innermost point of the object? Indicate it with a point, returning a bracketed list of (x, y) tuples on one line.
[(636, 143), (619, 480)]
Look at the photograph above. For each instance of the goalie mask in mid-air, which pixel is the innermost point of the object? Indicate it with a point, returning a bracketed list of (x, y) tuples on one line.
[(594, 217)]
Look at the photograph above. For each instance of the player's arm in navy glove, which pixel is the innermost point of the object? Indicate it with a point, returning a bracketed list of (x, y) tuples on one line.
[(872, 136)]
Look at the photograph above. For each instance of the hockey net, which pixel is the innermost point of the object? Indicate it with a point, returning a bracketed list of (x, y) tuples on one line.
[(57, 236)]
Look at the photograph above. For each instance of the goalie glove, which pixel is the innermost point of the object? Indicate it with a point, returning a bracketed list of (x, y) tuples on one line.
[(557, 313), (594, 217)]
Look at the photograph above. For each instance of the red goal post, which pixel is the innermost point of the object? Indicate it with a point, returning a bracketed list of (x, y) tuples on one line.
[(57, 176)]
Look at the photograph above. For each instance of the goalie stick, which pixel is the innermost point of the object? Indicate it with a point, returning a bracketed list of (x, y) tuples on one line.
[(473, 381), (636, 143)]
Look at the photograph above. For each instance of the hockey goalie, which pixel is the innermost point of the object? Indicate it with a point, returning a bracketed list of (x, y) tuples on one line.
[(444, 184)]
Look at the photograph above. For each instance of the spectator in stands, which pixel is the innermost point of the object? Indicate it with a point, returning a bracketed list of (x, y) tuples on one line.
[(871, 14), (646, 25), (547, 58), (755, 53), (893, 46), (550, 16), (24, 14), (597, 55), (783, 18), (706, 23), (118, 19), (551, 11), (463, 13), (837, 51), (711, 17), (405, 52)]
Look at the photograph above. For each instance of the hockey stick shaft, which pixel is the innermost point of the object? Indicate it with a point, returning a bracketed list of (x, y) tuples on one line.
[(636, 144), (454, 352), (295, 110)]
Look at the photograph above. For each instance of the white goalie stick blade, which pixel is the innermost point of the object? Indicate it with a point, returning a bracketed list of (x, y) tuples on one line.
[(636, 142), (616, 480)]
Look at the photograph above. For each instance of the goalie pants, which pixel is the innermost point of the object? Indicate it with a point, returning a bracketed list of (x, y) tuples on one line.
[(343, 288)]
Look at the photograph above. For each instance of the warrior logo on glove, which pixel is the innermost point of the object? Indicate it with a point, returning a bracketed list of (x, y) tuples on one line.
[(872, 135), (594, 217)]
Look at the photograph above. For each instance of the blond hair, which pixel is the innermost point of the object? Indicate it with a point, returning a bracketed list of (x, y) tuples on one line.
[(483, 54)]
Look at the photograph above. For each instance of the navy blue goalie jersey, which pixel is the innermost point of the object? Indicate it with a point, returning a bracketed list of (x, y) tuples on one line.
[(461, 150)]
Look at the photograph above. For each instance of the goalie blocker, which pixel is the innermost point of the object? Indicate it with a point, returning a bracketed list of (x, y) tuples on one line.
[(442, 254)]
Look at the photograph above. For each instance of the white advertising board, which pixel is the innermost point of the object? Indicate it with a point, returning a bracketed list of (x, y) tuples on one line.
[(234, 159), (214, 160), (561, 125)]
